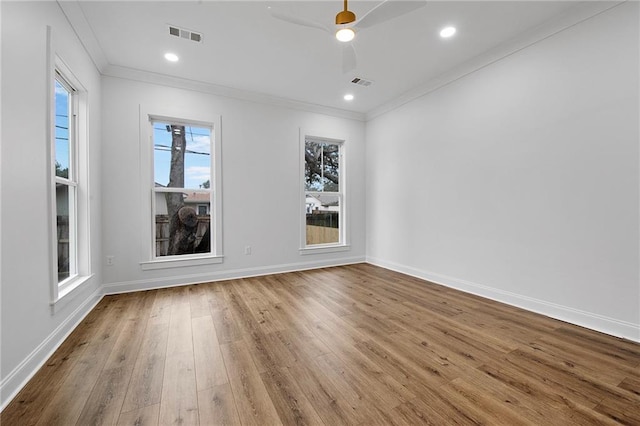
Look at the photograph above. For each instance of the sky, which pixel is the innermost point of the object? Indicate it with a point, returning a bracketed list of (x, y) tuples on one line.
[(62, 126), (197, 167)]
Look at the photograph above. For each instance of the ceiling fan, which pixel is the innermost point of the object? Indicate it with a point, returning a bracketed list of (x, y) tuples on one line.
[(346, 23)]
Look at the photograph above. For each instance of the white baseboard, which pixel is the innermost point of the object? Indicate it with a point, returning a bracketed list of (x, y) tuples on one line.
[(607, 325), (18, 378), (153, 283)]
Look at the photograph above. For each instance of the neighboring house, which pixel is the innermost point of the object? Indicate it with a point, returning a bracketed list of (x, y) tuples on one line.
[(199, 201), (321, 203)]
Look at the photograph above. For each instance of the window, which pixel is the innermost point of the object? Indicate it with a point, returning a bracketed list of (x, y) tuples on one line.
[(69, 183), (182, 193), (323, 193), (65, 177)]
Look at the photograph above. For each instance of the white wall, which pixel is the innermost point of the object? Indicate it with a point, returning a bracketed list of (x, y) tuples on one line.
[(260, 185), (520, 181), (30, 327)]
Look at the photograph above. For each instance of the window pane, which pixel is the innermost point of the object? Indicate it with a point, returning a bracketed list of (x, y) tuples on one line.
[(182, 156), (330, 167), (323, 219), (313, 166), (182, 222), (62, 126), (322, 166), (63, 207)]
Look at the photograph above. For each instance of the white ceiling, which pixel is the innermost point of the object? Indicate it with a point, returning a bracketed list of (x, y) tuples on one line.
[(245, 48)]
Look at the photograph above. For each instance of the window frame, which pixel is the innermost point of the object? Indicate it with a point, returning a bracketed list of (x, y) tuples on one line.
[(78, 180), (343, 217), (149, 260)]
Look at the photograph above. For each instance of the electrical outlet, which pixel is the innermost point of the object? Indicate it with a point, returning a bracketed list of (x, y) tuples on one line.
[(110, 260), (247, 250)]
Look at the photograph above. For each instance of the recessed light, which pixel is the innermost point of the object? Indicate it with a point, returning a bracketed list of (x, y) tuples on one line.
[(348, 97), (171, 57), (447, 32)]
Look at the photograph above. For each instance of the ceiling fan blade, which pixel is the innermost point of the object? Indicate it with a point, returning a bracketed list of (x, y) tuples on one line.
[(298, 21), (388, 10), (349, 61)]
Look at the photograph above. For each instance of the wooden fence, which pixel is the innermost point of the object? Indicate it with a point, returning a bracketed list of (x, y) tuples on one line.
[(322, 235), (322, 228)]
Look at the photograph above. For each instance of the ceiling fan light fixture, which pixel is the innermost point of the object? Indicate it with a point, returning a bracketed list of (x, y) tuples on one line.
[(447, 32), (345, 34), (171, 57)]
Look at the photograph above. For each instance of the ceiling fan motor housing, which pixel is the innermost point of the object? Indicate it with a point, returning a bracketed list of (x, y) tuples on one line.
[(345, 17)]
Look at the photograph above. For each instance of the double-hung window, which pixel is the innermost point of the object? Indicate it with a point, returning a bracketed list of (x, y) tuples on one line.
[(324, 197), (69, 166), (183, 217), (66, 182)]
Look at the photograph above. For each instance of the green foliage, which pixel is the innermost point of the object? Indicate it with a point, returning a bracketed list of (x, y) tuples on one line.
[(62, 172), (322, 163)]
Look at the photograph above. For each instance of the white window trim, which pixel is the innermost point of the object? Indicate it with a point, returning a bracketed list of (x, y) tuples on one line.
[(343, 244), (147, 246), (80, 231)]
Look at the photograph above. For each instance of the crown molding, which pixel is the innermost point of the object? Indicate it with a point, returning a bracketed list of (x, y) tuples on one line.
[(583, 11), (228, 92), (78, 22)]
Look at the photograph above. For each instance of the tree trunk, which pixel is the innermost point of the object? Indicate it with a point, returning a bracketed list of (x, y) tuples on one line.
[(182, 240), (175, 200)]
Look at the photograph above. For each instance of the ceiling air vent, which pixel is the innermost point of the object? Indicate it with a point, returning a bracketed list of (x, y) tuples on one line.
[(362, 82), (186, 34)]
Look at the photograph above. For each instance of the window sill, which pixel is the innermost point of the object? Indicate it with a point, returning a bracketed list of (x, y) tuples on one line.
[(180, 263), (324, 249), (69, 292)]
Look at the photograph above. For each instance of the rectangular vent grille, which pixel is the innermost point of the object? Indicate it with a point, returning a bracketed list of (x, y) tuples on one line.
[(362, 82), (186, 34)]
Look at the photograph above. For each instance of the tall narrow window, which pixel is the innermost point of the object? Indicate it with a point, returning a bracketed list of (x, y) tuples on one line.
[(182, 189), (66, 179), (324, 194)]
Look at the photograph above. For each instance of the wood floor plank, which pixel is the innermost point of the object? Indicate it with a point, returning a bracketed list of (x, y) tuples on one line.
[(179, 401), (161, 308), (253, 401), (351, 345), (289, 400), (479, 406), (104, 404), (145, 386), (210, 369), (146, 416), (217, 406), (198, 300), (180, 337), (227, 329), (631, 384), (549, 399)]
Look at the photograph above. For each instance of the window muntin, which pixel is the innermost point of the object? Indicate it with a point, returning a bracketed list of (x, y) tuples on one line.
[(65, 176), (324, 195), (182, 214)]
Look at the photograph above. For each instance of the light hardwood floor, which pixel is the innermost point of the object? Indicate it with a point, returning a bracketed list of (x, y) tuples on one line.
[(356, 345)]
